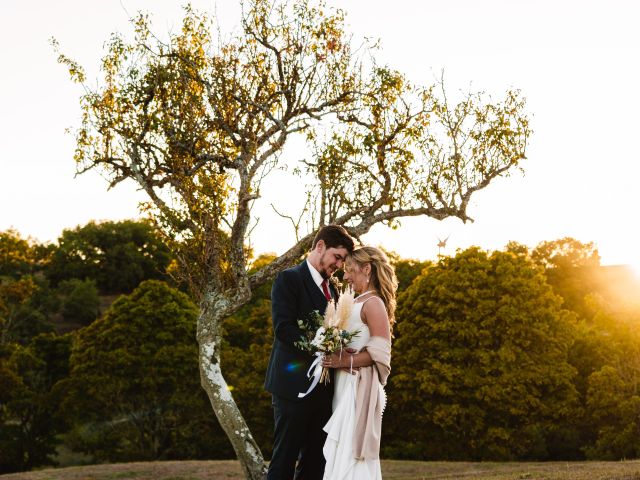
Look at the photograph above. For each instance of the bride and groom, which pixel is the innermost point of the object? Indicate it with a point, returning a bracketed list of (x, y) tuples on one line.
[(333, 432)]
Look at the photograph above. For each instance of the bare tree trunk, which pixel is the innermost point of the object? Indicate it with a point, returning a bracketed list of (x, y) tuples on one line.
[(224, 406)]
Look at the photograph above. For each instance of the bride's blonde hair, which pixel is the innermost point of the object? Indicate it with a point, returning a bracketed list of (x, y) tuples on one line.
[(383, 276)]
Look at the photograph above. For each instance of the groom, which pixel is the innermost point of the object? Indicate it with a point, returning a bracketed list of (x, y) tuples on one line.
[(297, 292)]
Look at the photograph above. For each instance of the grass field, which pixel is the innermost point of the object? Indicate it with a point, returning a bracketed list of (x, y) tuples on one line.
[(391, 470)]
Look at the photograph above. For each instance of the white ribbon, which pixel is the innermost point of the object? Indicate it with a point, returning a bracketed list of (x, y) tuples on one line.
[(316, 366)]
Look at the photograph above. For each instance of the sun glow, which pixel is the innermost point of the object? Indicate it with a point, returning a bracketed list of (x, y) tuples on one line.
[(635, 266)]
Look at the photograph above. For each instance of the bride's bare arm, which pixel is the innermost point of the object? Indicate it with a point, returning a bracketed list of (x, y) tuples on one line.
[(374, 314)]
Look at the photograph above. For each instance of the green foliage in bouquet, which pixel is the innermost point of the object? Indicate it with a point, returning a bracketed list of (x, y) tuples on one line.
[(309, 327)]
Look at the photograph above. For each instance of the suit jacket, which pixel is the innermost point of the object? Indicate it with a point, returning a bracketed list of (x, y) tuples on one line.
[(293, 297)]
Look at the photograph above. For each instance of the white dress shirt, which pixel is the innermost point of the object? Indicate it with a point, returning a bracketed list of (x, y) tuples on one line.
[(316, 276)]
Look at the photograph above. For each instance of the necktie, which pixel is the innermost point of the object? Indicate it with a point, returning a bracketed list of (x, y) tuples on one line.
[(325, 289)]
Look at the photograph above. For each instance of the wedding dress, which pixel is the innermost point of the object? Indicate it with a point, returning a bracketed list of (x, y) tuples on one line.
[(338, 448)]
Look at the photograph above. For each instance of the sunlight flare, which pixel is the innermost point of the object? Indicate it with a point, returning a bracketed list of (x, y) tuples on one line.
[(635, 267)]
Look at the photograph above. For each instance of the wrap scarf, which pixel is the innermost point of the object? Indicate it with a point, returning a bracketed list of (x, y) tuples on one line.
[(371, 399)]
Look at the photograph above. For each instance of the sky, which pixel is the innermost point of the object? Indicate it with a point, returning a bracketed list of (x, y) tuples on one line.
[(576, 62)]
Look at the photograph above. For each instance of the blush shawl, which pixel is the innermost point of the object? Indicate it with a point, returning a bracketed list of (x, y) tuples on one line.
[(371, 399)]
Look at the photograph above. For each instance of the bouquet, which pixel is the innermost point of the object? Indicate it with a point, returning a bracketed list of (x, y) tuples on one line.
[(324, 335)]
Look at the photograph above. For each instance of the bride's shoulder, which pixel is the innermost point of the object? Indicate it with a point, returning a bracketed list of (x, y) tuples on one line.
[(373, 307), (373, 301)]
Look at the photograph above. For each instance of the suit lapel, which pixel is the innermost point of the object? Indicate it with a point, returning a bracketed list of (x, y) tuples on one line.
[(314, 292)]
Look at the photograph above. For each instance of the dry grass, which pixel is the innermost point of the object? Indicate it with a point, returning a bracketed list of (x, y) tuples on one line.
[(391, 470)]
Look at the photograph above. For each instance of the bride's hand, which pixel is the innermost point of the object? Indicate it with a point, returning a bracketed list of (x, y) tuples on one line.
[(332, 361), (341, 361)]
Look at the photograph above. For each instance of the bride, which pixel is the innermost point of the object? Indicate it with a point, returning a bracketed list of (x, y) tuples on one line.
[(352, 448)]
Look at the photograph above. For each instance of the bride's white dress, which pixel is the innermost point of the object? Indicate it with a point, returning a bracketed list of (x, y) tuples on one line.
[(338, 448)]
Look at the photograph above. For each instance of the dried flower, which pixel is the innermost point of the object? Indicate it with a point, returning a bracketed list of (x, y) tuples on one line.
[(323, 335), (344, 307)]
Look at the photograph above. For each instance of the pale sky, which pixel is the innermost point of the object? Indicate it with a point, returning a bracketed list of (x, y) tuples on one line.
[(576, 62)]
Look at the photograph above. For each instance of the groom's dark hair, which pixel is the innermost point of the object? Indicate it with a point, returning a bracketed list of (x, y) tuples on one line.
[(334, 236)]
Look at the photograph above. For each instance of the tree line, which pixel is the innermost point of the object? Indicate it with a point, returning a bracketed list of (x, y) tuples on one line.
[(513, 354)]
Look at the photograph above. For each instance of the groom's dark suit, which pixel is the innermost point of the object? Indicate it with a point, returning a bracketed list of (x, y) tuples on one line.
[(298, 422)]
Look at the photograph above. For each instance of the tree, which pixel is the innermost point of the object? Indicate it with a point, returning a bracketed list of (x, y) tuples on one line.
[(565, 253), (407, 269), (605, 347), (606, 354), (25, 298), (199, 123), (30, 413), (572, 269), (14, 295), (614, 410), (17, 256), (133, 385), (248, 337), (80, 301), (16, 283), (480, 369), (116, 255), (25, 307)]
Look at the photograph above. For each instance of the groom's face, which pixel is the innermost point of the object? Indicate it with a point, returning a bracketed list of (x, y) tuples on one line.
[(331, 259)]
